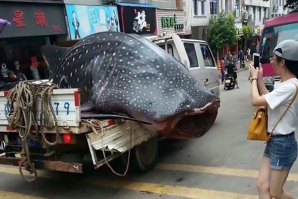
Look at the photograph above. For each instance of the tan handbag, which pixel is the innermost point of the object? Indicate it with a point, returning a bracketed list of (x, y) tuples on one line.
[(258, 125)]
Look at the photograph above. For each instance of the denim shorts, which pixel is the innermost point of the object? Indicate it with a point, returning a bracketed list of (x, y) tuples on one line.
[(282, 151)]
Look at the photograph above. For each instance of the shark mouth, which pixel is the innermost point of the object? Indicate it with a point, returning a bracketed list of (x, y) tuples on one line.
[(190, 124)]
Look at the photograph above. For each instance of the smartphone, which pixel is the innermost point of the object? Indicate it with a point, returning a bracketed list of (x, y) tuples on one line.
[(256, 60)]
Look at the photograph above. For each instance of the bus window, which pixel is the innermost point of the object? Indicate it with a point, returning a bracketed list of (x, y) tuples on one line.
[(273, 36)]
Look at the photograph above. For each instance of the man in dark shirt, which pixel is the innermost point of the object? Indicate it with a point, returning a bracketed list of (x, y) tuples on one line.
[(232, 70), (20, 76)]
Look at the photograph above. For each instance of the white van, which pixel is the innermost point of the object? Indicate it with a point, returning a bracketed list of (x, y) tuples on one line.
[(196, 56)]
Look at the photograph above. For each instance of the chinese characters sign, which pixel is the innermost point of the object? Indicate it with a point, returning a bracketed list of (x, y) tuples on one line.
[(137, 19), (171, 22), (32, 19)]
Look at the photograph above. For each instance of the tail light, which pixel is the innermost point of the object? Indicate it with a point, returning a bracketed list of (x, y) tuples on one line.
[(111, 122), (68, 138)]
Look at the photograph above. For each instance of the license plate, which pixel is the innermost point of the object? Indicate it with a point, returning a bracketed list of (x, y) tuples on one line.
[(228, 81), (33, 143)]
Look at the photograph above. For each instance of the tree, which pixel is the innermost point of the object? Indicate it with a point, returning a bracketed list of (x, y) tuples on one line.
[(222, 31), (248, 32), (292, 4)]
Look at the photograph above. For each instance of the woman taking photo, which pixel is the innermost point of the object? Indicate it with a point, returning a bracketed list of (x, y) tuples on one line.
[(281, 150)]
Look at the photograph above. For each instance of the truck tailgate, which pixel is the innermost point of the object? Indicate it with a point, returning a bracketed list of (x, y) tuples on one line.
[(65, 102)]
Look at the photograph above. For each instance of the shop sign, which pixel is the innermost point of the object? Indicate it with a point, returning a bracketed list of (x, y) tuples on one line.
[(32, 19), (171, 22), (137, 18), (86, 20)]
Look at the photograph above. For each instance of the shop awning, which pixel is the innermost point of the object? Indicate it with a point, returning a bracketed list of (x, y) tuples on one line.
[(136, 5)]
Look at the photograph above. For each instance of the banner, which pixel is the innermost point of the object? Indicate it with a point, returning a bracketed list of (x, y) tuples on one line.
[(87, 20)]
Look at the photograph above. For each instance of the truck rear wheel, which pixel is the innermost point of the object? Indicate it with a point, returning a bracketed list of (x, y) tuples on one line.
[(144, 156)]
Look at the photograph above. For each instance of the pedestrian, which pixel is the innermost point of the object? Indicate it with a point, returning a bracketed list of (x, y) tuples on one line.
[(4, 73), (17, 71), (281, 150), (12, 77), (241, 58), (232, 70), (222, 69), (248, 54)]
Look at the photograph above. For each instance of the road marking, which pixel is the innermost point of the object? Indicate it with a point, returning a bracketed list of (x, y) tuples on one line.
[(180, 168), (217, 170), (12, 195), (172, 190), (160, 189)]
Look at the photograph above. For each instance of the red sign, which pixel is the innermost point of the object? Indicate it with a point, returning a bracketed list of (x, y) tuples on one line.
[(34, 62), (40, 19), (18, 18), (56, 28)]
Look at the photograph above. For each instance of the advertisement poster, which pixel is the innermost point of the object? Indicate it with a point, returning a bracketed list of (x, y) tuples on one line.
[(138, 19), (87, 20)]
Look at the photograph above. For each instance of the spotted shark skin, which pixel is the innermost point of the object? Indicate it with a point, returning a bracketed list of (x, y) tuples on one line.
[(126, 73)]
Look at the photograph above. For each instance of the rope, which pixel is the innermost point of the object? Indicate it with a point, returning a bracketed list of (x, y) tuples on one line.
[(48, 119), (22, 102), (96, 125)]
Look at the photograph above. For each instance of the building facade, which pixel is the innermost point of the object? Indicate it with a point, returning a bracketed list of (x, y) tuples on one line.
[(197, 16)]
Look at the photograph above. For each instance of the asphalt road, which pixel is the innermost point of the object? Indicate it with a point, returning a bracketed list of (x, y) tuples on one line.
[(220, 165)]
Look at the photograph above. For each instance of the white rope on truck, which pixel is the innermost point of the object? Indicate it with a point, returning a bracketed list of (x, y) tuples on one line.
[(97, 126), (22, 101)]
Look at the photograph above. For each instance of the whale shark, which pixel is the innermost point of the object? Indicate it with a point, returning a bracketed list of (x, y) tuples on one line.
[(128, 74)]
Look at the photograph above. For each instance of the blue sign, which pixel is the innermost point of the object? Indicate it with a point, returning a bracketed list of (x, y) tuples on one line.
[(87, 20)]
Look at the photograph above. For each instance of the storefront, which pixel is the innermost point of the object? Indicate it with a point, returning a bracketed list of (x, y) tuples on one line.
[(31, 26), (85, 20), (171, 21), (137, 18)]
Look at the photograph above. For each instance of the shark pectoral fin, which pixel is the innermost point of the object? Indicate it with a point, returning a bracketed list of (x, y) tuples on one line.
[(88, 107)]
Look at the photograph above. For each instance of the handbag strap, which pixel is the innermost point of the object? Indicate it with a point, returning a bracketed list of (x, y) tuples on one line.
[(286, 109)]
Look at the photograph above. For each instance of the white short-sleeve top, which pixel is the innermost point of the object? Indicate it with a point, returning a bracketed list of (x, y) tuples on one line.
[(278, 101)]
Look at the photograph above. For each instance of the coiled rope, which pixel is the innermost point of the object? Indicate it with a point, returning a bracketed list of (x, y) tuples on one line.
[(22, 101)]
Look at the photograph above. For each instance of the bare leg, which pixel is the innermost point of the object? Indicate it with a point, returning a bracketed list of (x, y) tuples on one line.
[(277, 181), (236, 83), (264, 179)]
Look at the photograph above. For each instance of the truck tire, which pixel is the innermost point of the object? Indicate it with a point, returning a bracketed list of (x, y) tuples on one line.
[(144, 156)]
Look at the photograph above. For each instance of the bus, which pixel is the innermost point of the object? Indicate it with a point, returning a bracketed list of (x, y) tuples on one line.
[(275, 31)]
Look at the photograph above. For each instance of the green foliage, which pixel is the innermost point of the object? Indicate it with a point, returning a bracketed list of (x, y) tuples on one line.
[(222, 31), (248, 31)]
